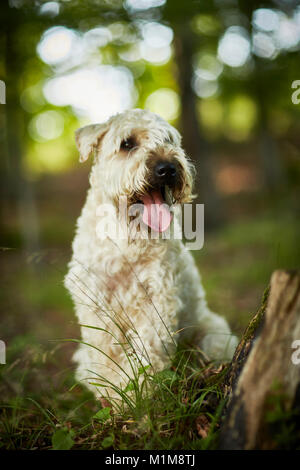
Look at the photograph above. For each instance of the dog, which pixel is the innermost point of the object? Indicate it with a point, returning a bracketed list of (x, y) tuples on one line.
[(136, 298)]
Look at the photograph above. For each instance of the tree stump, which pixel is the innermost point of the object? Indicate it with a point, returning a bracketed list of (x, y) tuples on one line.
[(263, 381)]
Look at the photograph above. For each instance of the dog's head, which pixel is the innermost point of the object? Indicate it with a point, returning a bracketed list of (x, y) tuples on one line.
[(137, 154)]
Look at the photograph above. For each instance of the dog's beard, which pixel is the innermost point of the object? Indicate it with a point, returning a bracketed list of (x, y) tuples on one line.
[(155, 203)]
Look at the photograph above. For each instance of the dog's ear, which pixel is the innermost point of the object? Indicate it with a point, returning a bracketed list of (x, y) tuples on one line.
[(87, 138)]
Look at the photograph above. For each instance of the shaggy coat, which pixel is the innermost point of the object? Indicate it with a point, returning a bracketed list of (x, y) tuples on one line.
[(136, 299)]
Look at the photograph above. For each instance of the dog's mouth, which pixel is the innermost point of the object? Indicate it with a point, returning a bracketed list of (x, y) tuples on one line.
[(157, 214)]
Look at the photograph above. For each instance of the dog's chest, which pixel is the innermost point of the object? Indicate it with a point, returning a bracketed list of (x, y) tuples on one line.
[(146, 283), (136, 280)]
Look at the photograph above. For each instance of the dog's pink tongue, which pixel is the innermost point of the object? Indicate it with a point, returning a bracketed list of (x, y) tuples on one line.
[(156, 213)]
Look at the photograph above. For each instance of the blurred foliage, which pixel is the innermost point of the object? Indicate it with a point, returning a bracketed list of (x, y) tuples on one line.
[(234, 102), (221, 71)]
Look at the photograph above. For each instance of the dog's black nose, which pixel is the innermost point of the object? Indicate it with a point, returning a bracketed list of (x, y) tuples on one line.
[(165, 172)]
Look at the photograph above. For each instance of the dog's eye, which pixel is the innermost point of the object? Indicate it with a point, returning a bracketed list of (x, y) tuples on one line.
[(128, 144)]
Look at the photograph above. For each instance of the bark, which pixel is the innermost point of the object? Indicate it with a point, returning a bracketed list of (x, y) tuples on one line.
[(263, 381)]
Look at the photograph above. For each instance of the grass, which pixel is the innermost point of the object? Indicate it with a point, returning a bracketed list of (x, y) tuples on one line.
[(237, 263), (42, 407), (173, 409)]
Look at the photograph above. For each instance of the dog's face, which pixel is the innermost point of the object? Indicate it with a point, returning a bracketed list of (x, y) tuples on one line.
[(137, 154)]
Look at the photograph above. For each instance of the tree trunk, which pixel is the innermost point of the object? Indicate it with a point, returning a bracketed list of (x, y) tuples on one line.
[(195, 144), (16, 189), (273, 173), (263, 382)]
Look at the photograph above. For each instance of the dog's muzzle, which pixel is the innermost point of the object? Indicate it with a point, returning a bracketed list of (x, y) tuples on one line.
[(156, 214), (158, 197)]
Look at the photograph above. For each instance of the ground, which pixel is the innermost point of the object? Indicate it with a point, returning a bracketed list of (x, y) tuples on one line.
[(41, 407)]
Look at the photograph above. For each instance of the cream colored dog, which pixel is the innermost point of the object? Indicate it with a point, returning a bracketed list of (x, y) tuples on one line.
[(136, 297)]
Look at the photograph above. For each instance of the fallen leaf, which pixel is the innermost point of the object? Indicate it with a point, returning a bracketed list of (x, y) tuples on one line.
[(105, 403), (202, 425)]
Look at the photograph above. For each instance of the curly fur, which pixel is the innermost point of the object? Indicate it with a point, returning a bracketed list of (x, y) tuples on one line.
[(144, 295)]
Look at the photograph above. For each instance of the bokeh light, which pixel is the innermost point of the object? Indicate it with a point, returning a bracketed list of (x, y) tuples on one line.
[(97, 37), (156, 35), (155, 55), (205, 24), (57, 45), (122, 33), (288, 33), (208, 66), (95, 93), (265, 19), (234, 47), (275, 31), (45, 126), (32, 99), (164, 102), (55, 156), (240, 118), (50, 9), (204, 88), (157, 39), (131, 54), (143, 4), (264, 46), (211, 113)]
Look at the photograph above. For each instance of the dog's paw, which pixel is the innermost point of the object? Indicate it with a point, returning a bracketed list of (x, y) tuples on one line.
[(219, 346)]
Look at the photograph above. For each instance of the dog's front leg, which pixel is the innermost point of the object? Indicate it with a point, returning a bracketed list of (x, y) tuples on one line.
[(210, 330)]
